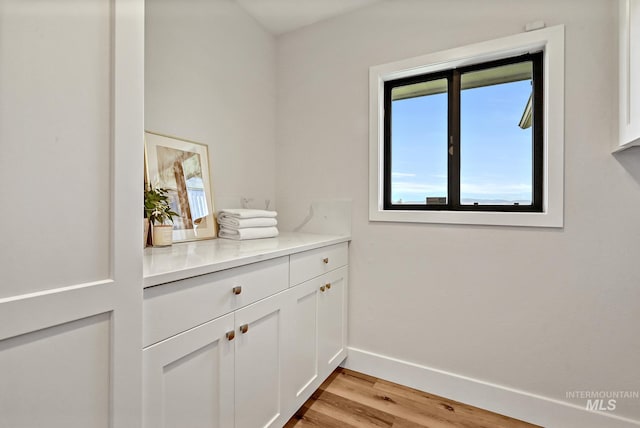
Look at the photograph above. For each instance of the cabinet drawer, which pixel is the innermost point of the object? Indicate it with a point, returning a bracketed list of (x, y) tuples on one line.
[(309, 264), (175, 307)]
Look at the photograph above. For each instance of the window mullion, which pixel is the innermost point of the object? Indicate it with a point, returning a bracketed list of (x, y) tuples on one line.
[(387, 203), (538, 131), (454, 140)]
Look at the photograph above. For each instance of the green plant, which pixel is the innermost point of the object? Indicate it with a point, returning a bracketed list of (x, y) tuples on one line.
[(156, 205)]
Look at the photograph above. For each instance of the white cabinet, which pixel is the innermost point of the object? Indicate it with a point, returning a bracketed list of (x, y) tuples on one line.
[(188, 380), (629, 74), (244, 347), (317, 326), (259, 364), (332, 313), (302, 345), (223, 373), (206, 365), (178, 306)]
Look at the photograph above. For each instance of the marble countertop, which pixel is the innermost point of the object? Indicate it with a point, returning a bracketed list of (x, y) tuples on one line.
[(187, 259)]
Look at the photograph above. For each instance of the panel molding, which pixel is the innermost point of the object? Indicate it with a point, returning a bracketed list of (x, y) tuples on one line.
[(58, 376), (34, 311), (126, 223)]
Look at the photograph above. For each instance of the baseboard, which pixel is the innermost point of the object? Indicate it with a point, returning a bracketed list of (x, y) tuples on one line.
[(536, 409)]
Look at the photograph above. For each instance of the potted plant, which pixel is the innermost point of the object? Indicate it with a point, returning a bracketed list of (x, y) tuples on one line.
[(158, 211)]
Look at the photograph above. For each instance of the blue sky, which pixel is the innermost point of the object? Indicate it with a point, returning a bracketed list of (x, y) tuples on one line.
[(495, 151)]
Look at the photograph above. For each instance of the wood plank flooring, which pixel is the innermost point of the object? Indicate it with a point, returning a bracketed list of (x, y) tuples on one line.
[(352, 399)]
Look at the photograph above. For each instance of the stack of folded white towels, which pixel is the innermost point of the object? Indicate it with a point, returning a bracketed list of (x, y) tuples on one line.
[(241, 224)]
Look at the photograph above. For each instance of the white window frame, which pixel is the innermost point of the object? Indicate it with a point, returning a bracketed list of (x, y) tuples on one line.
[(551, 42)]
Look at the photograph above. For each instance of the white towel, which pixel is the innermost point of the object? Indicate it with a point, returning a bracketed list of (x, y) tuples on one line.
[(240, 223), (248, 233), (246, 213)]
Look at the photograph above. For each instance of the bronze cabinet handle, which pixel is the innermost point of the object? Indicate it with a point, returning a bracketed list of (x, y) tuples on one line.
[(237, 290), (325, 260), (244, 328), (322, 288), (231, 335), (328, 285)]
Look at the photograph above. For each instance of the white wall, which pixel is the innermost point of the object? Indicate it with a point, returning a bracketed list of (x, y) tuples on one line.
[(210, 78), (545, 311)]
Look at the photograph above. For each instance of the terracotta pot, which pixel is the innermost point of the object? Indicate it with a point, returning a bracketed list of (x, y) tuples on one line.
[(162, 235)]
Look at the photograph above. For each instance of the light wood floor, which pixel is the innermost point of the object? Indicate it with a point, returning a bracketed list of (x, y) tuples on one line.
[(352, 399)]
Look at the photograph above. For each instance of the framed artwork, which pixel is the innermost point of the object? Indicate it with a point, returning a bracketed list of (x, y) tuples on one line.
[(182, 167)]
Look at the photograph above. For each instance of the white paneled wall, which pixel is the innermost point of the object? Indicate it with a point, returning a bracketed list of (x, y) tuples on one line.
[(71, 112), (55, 131)]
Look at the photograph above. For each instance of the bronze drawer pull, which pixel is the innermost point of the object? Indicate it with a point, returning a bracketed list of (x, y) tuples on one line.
[(244, 328), (328, 286), (231, 335), (325, 260), (237, 290)]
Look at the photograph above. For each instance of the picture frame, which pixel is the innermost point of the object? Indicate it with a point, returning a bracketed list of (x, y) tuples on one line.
[(182, 167)]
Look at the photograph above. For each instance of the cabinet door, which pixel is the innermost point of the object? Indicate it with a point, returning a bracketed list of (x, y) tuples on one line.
[(300, 378), (189, 378), (258, 363), (332, 316)]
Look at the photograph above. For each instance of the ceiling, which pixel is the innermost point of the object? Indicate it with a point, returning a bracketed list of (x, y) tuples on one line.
[(281, 16)]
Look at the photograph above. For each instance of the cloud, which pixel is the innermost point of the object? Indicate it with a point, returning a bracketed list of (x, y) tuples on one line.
[(477, 191), (495, 188), (402, 174), (404, 187)]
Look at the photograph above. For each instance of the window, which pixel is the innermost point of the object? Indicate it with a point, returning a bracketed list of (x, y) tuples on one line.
[(472, 135), (467, 138)]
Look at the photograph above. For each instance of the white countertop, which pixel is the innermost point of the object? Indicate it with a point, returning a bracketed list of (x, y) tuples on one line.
[(187, 259)]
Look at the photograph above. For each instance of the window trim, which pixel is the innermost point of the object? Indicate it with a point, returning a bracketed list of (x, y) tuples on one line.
[(551, 42)]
